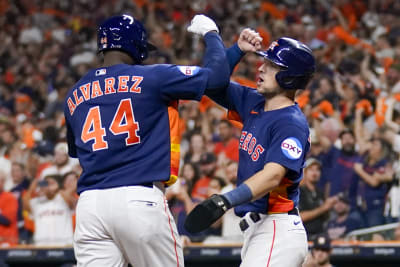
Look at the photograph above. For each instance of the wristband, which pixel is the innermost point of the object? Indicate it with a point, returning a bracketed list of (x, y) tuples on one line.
[(240, 195)]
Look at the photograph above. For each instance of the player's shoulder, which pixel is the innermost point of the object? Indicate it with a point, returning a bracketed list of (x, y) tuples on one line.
[(292, 116), (249, 94), (178, 69)]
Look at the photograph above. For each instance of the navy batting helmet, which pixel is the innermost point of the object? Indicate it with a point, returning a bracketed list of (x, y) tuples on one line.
[(124, 33), (296, 60)]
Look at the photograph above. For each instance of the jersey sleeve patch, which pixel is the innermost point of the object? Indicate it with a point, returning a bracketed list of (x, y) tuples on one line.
[(189, 70), (292, 148)]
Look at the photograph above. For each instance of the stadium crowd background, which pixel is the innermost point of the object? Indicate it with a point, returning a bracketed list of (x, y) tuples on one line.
[(351, 179)]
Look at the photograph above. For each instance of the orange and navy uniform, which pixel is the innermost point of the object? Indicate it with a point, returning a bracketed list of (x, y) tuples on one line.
[(279, 136)]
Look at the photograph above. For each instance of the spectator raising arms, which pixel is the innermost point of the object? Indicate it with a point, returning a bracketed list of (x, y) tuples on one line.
[(375, 172), (51, 210)]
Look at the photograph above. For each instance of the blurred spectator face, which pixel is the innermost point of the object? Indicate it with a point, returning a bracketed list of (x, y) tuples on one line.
[(7, 136), (188, 172), (325, 86), (321, 256), (312, 173), (393, 76), (231, 172), (61, 154), (225, 131), (266, 82), (17, 172), (341, 207), (214, 187), (208, 164), (208, 169), (23, 103), (376, 148), (348, 142), (51, 188), (197, 143)]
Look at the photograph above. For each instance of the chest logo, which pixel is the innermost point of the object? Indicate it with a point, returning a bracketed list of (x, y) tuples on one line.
[(248, 143), (292, 148)]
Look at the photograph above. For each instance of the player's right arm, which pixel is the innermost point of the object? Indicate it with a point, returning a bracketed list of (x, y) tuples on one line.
[(189, 82), (237, 97)]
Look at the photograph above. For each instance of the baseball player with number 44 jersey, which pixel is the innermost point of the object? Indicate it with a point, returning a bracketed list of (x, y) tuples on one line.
[(272, 150), (122, 124)]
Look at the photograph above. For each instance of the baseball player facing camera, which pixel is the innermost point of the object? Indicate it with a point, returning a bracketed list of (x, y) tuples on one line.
[(122, 124), (272, 150)]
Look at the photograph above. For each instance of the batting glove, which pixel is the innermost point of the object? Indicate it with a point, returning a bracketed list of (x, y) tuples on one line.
[(206, 213), (201, 24)]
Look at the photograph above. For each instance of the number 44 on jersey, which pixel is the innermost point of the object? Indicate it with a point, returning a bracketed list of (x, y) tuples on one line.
[(122, 123)]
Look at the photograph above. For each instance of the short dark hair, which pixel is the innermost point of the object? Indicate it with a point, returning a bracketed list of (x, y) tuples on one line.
[(346, 131)]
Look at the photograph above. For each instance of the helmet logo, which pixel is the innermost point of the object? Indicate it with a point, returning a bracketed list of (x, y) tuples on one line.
[(272, 45), (127, 17), (103, 42)]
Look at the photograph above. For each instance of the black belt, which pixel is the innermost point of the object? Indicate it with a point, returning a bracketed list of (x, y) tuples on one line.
[(147, 185), (255, 217)]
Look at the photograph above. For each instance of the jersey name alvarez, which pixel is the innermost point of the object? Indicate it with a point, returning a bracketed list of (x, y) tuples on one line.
[(248, 143), (111, 85)]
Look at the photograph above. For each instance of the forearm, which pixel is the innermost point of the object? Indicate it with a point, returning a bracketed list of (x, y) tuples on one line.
[(369, 179), (257, 185), (28, 196), (309, 215), (389, 117), (266, 180), (188, 203), (215, 61), (234, 55)]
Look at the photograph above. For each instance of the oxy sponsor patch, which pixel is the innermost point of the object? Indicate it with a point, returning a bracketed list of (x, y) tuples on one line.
[(189, 70), (292, 148)]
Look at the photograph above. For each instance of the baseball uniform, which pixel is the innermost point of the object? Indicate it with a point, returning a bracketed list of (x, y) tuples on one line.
[(122, 124), (273, 231)]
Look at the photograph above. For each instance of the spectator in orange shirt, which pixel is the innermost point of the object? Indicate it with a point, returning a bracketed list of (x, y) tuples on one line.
[(228, 144), (8, 216)]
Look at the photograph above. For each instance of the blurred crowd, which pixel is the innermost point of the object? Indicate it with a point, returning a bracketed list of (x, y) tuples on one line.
[(351, 177)]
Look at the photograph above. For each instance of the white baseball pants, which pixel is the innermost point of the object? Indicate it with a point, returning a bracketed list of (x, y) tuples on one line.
[(274, 241), (126, 224)]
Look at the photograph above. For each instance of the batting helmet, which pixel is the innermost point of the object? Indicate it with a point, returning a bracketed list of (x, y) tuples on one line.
[(296, 60), (126, 34)]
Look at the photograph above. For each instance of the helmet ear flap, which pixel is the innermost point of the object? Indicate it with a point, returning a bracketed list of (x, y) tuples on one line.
[(290, 81)]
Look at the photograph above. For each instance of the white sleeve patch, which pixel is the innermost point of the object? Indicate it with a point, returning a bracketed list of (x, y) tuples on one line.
[(292, 148), (189, 70)]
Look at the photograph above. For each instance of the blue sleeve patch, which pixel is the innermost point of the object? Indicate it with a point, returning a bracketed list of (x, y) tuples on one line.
[(189, 70), (292, 148)]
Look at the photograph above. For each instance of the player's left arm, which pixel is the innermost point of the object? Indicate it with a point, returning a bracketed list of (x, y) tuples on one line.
[(286, 152), (211, 209)]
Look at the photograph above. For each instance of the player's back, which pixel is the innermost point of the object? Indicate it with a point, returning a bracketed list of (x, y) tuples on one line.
[(119, 119)]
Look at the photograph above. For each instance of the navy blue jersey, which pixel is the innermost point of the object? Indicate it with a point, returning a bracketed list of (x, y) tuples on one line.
[(280, 136), (119, 122), (374, 197), (338, 166)]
